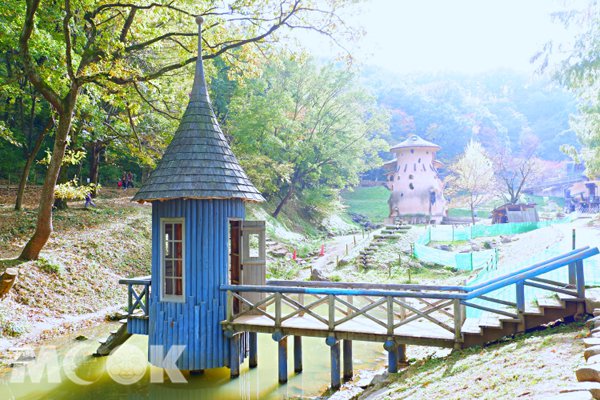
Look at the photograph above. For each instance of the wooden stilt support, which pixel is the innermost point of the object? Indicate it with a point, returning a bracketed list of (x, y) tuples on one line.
[(253, 349), (392, 349), (402, 355), (282, 350), (334, 346), (347, 349), (297, 354), (234, 356)]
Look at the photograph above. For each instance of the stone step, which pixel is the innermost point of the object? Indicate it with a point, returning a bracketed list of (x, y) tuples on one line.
[(588, 373)]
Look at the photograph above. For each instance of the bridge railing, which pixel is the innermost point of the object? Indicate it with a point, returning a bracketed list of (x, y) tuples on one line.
[(138, 294), (390, 306)]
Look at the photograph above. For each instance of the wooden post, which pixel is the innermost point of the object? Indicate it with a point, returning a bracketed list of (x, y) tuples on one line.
[(572, 268), (520, 297), (347, 349), (572, 274), (580, 279), (278, 310), (7, 280), (129, 298), (229, 311), (331, 302), (282, 352), (253, 350), (234, 356), (346, 249), (354, 238), (390, 315), (335, 363), (297, 354), (458, 320)]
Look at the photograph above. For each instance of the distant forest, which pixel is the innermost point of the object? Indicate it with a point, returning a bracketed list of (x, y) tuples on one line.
[(502, 108)]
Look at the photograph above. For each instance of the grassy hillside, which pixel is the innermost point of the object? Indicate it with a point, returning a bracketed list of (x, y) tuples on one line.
[(368, 201), (78, 270), (535, 365)]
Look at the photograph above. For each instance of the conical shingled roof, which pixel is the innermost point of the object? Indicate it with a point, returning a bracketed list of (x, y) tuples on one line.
[(414, 141), (198, 164)]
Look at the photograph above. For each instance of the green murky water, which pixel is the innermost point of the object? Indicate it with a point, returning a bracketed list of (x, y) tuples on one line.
[(128, 365)]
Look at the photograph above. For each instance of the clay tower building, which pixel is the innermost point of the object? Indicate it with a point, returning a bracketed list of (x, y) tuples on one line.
[(417, 189)]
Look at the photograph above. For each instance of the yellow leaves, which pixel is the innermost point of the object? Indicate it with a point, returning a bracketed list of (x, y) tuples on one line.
[(73, 191)]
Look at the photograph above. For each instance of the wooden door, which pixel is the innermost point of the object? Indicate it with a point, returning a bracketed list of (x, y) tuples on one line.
[(253, 257)]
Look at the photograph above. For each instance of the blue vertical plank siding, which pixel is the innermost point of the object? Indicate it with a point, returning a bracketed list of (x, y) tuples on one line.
[(137, 326), (194, 323)]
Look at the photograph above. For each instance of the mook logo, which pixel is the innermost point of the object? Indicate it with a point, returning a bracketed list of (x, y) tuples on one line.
[(126, 368)]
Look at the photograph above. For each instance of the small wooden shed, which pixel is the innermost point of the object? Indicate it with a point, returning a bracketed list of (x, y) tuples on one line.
[(515, 213), (198, 193)]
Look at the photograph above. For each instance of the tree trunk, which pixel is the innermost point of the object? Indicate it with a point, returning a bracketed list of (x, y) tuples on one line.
[(61, 204), (30, 158), (44, 222), (7, 280), (96, 149), (284, 200), (472, 212)]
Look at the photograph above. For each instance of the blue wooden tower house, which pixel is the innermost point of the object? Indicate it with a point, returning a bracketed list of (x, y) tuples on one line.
[(198, 193)]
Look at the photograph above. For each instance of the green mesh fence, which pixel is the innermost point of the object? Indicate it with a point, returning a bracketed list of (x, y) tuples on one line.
[(463, 261), (486, 259), (450, 233)]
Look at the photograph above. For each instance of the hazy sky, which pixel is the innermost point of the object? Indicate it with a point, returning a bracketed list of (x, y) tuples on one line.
[(456, 35)]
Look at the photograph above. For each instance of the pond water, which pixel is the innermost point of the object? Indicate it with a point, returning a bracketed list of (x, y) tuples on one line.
[(128, 365)]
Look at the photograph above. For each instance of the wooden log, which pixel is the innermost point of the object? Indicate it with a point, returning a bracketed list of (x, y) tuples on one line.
[(7, 280), (113, 341), (298, 354), (253, 351), (347, 350), (282, 351)]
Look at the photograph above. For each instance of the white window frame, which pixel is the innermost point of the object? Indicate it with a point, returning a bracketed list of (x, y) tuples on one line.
[(173, 298)]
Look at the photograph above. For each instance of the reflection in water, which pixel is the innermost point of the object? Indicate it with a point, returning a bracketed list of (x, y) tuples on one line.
[(125, 365)]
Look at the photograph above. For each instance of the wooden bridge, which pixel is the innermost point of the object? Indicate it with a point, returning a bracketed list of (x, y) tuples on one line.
[(395, 315)]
